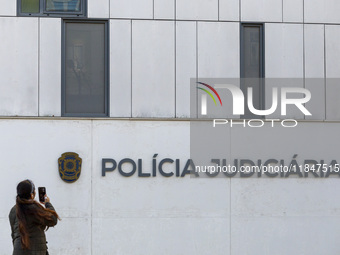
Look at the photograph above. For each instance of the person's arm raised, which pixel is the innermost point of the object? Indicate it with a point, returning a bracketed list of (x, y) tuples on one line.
[(48, 205)]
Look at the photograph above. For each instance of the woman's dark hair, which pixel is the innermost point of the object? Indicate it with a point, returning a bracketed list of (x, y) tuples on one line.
[(27, 206)]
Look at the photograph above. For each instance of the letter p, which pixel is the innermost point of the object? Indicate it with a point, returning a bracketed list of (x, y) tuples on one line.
[(108, 169), (220, 122)]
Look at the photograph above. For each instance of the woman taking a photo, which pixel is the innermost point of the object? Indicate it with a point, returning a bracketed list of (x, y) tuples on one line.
[(29, 220)]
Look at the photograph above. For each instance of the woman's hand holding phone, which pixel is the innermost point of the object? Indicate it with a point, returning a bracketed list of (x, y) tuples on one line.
[(43, 198), (47, 199)]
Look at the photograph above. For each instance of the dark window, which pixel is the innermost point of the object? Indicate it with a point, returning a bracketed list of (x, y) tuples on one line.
[(85, 69), (72, 8), (252, 65)]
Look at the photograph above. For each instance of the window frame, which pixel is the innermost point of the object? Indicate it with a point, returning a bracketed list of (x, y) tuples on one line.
[(261, 26), (44, 13), (106, 68)]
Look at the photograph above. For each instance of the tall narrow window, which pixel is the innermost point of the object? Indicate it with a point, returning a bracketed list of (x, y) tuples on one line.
[(85, 69), (252, 65)]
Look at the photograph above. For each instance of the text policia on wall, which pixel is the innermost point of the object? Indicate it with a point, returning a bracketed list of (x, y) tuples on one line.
[(242, 168)]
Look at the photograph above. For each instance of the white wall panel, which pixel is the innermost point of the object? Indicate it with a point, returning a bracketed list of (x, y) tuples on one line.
[(164, 9), (284, 61), (153, 196), (70, 236), (36, 158), (325, 11), (285, 235), (157, 205), (286, 210), (19, 66), (131, 199), (314, 51), (41, 144), (154, 236), (284, 197), (138, 9), (120, 68), (261, 10), (197, 9), (218, 50), (8, 8), (284, 50), (229, 10), (315, 69), (153, 69), (185, 65), (50, 67), (292, 10), (332, 34), (219, 56), (98, 8)]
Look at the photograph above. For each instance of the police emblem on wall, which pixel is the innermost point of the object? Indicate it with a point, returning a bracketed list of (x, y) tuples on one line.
[(69, 167)]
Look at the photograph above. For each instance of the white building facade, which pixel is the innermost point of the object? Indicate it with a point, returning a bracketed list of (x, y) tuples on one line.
[(145, 53)]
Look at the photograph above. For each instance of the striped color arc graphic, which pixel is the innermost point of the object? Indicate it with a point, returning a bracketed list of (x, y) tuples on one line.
[(209, 93)]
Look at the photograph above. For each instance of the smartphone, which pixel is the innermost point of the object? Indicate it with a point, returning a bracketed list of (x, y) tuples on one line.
[(42, 193)]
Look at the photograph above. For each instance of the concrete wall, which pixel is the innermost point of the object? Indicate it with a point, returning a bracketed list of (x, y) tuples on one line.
[(159, 215), (156, 46)]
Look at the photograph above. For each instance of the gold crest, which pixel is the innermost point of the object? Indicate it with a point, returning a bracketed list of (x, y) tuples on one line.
[(69, 167)]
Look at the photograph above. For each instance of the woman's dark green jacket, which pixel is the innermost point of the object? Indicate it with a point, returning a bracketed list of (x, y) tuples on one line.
[(36, 232)]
